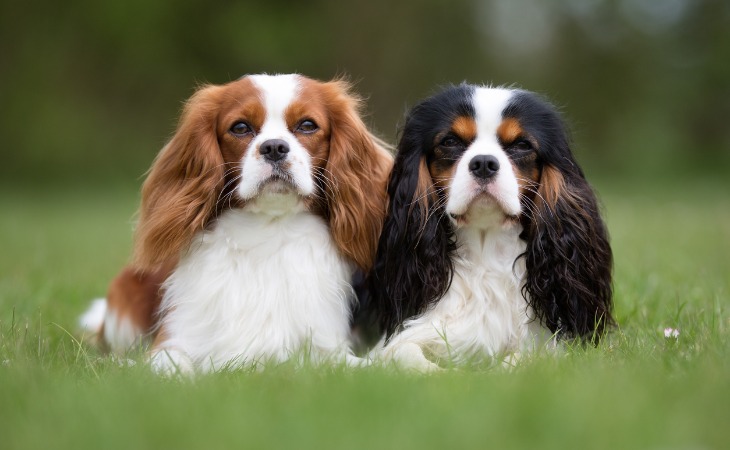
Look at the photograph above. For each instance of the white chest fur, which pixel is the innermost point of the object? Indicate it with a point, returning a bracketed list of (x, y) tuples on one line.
[(483, 314), (258, 288)]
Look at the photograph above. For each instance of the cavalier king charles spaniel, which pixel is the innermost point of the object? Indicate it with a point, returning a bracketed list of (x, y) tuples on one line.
[(493, 243), (254, 217)]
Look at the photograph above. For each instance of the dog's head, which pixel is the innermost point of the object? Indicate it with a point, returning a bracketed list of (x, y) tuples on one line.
[(255, 141)]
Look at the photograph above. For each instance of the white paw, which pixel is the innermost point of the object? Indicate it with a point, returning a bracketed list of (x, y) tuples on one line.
[(169, 362), (512, 360), (354, 361), (410, 356)]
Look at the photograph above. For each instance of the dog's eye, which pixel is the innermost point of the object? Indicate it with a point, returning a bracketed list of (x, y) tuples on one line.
[(522, 145), (307, 127), (240, 128), (520, 148), (450, 141)]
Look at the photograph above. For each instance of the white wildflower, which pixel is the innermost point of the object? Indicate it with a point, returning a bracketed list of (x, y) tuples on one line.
[(671, 333)]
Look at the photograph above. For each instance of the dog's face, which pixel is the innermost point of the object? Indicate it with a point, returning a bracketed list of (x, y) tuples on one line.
[(484, 159), (274, 135), (264, 135)]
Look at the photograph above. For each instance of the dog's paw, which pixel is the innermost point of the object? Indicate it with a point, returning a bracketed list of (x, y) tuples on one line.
[(410, 356), (170, 362)]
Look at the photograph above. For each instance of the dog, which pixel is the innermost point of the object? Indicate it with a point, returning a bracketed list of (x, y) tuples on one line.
[(254, 218), (493, 243)]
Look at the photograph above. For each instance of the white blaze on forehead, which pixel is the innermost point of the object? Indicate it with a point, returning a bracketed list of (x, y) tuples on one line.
[(489, 104), (277, 93)]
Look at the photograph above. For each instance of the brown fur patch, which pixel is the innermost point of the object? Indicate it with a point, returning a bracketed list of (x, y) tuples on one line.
[(425, 193), (552, 185), (509, 130), (442, 174), (357, 173), (310, 105), (239, 101), (465, 127), (528, 178), (136, 296), (179, 194)]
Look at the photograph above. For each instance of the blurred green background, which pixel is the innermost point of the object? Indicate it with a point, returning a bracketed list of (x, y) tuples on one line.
[(89, 90)]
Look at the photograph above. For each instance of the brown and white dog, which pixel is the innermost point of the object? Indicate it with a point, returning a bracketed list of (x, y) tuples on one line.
[(254, 218)]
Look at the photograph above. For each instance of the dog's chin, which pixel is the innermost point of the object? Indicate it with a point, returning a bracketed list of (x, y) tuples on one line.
[(484, 211), (277, 185), (276, 196)]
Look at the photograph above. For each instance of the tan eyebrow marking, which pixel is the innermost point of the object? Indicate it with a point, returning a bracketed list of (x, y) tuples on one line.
[(465, 128), (509, 130)]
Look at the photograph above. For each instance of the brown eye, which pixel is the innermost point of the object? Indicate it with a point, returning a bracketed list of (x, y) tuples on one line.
[(522, 145), (450, 141), (307, 127), (240, 129)]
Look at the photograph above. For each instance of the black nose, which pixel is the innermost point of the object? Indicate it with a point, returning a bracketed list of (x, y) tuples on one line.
[(484, 166), (274, 149)]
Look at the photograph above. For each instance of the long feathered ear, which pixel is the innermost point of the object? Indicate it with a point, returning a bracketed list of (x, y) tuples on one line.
[(180, 193), (357, 172), (413, 266), (568, 257)]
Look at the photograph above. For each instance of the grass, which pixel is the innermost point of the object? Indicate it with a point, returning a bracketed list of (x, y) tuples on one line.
[(59, 248)]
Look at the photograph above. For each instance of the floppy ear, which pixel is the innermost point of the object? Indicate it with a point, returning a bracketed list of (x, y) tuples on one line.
[(413, 266), (180, 193), (568, 257), (357, 172)]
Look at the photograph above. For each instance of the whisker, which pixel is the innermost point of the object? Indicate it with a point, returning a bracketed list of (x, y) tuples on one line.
[(217, 166), (328, 184), (537, 214), (225, 186), (430, 190), (324, 169), (531, 208), (437, 208), (224, 196), (531, 186)]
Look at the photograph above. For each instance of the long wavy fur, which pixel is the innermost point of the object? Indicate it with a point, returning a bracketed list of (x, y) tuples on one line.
[(357, 172), (568, 261), (180, 193), (414, 264), (568, 256)]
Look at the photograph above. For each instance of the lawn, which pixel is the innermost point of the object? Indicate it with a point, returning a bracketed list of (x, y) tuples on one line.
[(638, 389)]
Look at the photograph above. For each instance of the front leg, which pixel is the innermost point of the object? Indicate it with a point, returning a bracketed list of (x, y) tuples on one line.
[(356, 361), (409, 355), (170, 362)]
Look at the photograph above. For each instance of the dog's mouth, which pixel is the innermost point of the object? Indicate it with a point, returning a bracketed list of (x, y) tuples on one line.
[(484, 208), (279, 182), (276, 195)]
